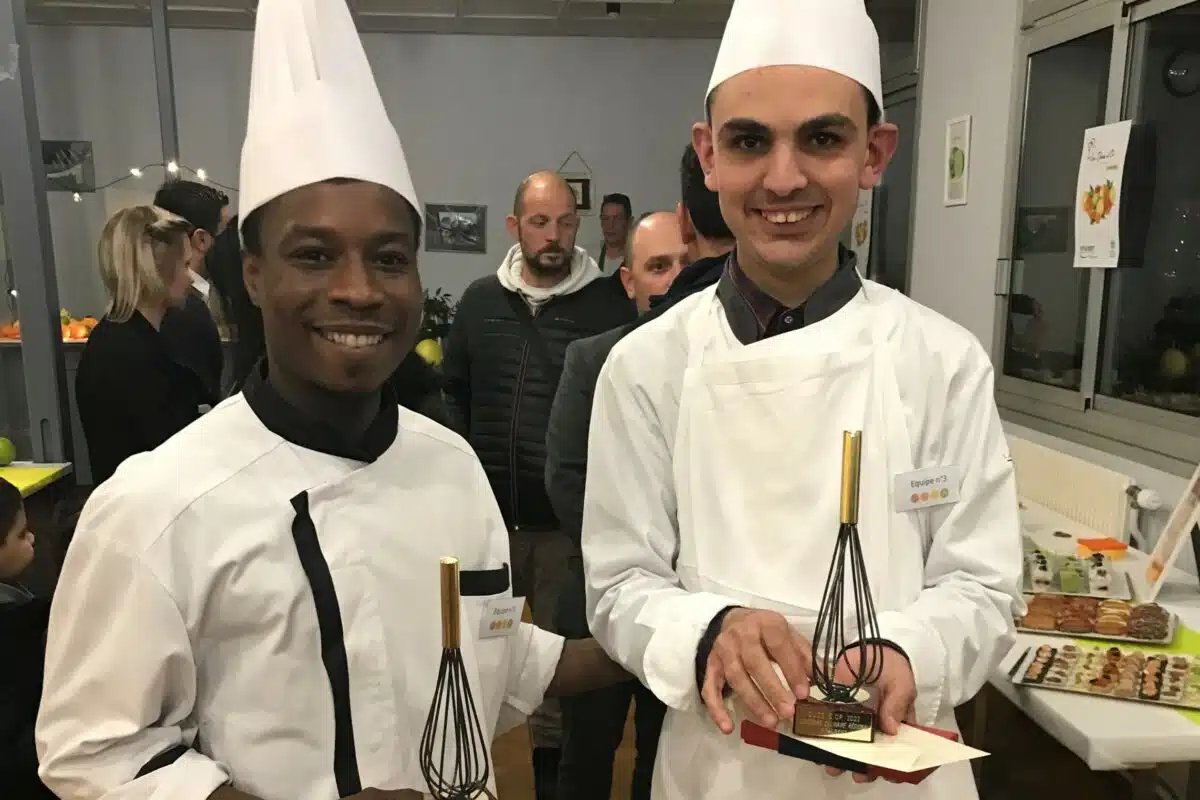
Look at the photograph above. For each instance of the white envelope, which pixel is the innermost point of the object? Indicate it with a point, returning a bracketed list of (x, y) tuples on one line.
[(910, 750)]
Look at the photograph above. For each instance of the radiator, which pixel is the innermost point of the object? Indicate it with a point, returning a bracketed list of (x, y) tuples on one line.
[(1092, 496)]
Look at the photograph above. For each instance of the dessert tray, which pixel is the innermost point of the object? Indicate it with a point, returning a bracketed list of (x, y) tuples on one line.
[(1057, 573), (1124, 674), (1091, 618)]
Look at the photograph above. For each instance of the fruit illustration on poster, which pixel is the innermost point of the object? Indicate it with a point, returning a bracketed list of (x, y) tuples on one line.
[(1098, 201)]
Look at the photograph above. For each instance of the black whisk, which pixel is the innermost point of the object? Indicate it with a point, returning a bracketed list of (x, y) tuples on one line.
[(454, 753), (829, 638)]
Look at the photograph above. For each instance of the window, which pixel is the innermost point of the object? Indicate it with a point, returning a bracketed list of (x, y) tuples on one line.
[(1108, 358), (1066, 89), (897, 22), (1151, 337)]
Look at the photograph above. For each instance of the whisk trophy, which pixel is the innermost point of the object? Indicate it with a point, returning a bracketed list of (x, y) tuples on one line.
[(836, 708), (454, 753)]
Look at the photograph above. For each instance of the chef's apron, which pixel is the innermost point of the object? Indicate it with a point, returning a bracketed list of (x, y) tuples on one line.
[(758, 452)]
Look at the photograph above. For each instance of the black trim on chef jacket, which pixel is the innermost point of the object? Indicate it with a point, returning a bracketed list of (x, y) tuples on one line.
[(283, 419)]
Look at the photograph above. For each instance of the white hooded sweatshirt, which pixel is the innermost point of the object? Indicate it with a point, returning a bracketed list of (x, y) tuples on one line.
[(583, 271)]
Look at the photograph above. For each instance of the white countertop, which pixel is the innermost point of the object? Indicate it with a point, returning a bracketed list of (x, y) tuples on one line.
[(1109, 734)]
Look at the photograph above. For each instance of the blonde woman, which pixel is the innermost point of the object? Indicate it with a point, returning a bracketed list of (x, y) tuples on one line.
[(131, 395)]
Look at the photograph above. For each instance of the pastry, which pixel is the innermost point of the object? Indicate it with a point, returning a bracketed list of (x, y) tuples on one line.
[(1071, 577), (1075, 623), (1111, 626), (1038, 620)]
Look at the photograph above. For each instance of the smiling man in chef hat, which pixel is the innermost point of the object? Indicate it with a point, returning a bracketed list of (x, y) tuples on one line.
[(269, 627), (715, 453)]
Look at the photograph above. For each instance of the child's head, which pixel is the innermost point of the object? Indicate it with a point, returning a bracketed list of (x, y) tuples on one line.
[(16, 542)]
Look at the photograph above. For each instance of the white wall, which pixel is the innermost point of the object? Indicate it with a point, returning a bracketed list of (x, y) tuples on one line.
[(970, 64), (968, 68), (476, 114)]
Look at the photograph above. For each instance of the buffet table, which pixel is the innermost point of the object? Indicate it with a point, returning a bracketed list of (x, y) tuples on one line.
[(1109, 734)]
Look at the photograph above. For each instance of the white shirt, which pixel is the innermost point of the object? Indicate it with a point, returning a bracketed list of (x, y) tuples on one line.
[(200, 283), (188, 618)]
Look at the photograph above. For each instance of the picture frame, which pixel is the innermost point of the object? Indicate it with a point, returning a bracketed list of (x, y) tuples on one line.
[(957, 161), (69, 165), (455, 228), (582, 187)]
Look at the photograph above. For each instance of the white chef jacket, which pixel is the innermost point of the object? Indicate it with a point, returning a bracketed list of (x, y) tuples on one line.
[(658, 567), (206, 630)]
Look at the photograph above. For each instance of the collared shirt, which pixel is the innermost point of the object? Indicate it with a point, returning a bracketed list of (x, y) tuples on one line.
[(754, 315), (329, 437), (200, 283)]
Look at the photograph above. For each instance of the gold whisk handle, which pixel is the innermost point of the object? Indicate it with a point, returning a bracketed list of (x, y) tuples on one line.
[(851, 464), (451, 619)]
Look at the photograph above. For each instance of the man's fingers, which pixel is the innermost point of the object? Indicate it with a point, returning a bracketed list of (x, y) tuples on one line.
[(781, 697), (895, 705), (714, 700), (790, 651), (749, 694)]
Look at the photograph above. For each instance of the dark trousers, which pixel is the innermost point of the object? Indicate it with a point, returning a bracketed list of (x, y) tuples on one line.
[(593, 724)]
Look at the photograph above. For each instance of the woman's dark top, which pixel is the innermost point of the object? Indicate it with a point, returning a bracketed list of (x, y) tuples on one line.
[(132, 395)]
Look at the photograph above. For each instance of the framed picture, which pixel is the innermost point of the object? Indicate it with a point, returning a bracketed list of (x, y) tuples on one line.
[(582, 187), (455, 228), (69, 166), (957, 160)]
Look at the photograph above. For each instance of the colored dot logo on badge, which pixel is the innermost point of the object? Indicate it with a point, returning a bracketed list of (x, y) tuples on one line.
[(508, 623), (916, 498), (945, 493), (924, 496), (493, 625)]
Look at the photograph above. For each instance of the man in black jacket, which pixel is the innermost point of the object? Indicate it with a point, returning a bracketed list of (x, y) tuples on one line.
[(594, 723), (503, 357), (190, 333)]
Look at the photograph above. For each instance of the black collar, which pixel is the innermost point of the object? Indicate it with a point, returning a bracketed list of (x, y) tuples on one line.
[(323, 436), (751, 311)]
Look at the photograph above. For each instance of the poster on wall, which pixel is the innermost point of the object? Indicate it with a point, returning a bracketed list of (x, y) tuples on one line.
[(1181, 527), (957, 161), (1098, 193), (860, 229)]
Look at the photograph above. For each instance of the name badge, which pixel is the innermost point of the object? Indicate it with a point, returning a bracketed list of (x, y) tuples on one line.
[(501, 616), (927, 488)]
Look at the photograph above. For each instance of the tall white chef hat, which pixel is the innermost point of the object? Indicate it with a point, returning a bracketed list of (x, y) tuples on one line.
[(315, 111), (836, 35)]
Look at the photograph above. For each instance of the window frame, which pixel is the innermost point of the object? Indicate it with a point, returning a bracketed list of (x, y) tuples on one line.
[(908, 68), (1165, 440), (1038, 10)]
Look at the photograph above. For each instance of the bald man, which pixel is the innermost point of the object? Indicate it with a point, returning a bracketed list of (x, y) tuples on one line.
[(654, 254), (504, 355)]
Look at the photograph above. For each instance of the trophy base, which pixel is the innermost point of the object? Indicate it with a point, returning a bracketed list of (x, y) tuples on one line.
[(819, 718)]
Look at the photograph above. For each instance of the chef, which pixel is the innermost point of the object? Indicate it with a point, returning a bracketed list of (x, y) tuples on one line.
[(252, 609), (715, 448)]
